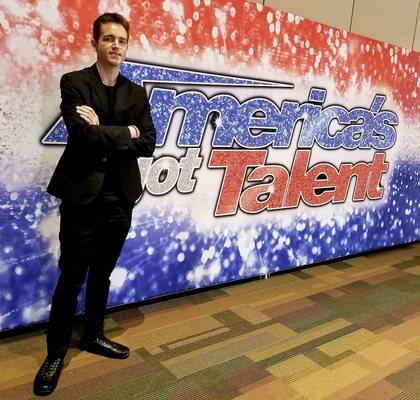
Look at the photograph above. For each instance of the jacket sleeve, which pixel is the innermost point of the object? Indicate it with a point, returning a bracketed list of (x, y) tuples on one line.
[(107, 138), (145, 144)]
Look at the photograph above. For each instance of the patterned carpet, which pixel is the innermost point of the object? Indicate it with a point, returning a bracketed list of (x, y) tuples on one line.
[(343, 330)]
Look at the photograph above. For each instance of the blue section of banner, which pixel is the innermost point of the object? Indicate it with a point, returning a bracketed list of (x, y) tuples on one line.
[(164, 252), (141, 73)]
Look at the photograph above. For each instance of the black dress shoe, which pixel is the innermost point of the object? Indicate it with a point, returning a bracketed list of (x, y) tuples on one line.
[(105, 347), (48, 375)]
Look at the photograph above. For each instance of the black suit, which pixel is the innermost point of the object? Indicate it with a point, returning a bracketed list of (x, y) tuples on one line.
[(80, 172), (98, 180)]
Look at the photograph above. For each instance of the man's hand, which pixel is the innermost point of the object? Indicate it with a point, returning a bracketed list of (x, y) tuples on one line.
[(88, 114), (134, 132)]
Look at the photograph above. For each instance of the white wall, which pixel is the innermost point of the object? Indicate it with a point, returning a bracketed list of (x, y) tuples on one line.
[(392, 21)]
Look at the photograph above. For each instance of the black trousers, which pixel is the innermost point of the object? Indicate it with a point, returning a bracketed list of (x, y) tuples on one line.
[(91, 239)]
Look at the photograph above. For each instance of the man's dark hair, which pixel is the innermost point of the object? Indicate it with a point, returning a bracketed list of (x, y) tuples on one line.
[(109, 17)]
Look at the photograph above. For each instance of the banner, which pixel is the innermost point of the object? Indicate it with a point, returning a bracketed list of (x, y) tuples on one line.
[(281, 142)]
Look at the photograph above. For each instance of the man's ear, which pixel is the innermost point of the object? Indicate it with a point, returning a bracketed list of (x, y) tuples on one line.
[(94, 44)]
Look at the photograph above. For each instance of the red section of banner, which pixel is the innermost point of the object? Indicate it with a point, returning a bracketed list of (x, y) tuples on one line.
[(241, 33)]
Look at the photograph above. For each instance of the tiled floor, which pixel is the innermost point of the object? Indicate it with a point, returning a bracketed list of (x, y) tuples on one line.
[(343, 330)]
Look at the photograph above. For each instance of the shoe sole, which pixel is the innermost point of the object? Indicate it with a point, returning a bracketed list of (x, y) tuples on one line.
[(104, 354), (43, 393)]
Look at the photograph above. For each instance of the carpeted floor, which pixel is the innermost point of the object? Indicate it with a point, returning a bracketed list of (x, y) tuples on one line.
[(343, 330)]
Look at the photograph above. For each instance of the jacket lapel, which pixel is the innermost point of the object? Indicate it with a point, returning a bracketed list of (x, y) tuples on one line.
[(121, 95), (99, 93)]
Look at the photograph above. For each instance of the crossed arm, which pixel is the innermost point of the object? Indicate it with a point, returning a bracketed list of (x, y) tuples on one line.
[(89, 115), (83, 124)]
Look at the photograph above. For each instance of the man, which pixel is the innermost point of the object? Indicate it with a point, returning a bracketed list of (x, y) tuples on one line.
[(98, 180)]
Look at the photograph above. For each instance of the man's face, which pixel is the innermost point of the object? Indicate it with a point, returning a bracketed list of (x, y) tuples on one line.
[(111, 47)]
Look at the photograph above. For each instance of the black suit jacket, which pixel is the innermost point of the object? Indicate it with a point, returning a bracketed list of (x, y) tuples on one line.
[(80, 172)]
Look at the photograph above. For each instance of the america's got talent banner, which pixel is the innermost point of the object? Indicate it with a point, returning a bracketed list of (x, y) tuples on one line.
[(281, 142)]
